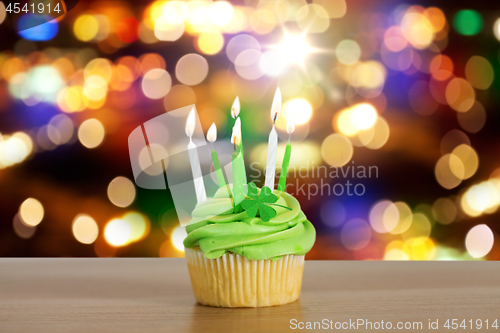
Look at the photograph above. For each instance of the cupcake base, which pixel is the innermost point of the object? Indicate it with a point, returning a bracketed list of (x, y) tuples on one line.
[(235, 281)]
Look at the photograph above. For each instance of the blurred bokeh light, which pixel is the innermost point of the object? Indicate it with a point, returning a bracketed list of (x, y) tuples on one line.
[(397, 99)]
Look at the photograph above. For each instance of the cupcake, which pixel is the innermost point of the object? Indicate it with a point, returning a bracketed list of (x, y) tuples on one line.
[(251, 255)]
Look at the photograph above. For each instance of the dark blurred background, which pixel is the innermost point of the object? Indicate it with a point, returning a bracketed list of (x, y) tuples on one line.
[(409, 88)]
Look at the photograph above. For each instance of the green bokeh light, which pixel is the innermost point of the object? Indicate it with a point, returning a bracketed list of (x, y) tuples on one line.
[(468, 22)]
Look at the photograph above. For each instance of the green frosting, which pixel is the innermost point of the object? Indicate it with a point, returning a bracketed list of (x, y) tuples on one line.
[(217, 230)]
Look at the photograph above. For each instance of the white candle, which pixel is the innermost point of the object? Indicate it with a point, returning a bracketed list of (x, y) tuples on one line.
[(236, 132), (235, 111), (199, 186), (273, 142)]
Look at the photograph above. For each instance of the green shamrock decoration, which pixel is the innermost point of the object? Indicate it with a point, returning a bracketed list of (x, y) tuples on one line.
[(254, 203)]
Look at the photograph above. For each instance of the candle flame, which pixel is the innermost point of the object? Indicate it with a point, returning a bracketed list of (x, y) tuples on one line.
[(190, 123), (235, 109), (212, 133), (276, 107), (236, 135), (290, 125)]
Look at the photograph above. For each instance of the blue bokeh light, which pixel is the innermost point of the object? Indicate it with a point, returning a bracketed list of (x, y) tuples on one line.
[(39, 30)]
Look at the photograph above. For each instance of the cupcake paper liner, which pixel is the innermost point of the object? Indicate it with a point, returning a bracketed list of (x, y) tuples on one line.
[(235, 281)]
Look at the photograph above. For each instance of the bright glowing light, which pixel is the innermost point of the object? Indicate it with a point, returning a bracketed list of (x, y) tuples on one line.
[(86, 27), (117, 232), (44, 82), (139, 226), (13, 150), (31, 212), (178, 236), (299, 110), (152, 13), (496, 28), (274, 63), (417, 30), (481, 198), (26, 139), (40, 83), (91, 133), (121, 192), (479, 241), (212, 133), (221, 13), (359, 117), (478, 197), (95, 88), (395, 254), (175, 11), (364, 116), (71, 99), (376, 136), (276, 106), (422, 249), (397, 250), (167, 31), (235, 109), (100, 67), (295, 47), (343, 123), (370, 75), (85, 229), (210, 42)]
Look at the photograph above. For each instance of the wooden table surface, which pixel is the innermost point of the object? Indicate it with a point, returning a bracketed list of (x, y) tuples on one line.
[(154, 295)]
